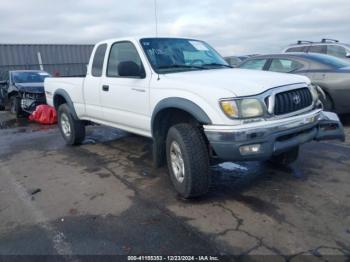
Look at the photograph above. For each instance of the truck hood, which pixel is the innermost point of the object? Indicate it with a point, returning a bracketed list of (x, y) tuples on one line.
[(36, 88), (241, 82)]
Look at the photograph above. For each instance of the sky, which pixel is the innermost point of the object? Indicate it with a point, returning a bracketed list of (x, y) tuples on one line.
[(233, 27)]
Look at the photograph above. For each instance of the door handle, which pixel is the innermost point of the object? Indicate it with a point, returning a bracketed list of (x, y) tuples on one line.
[(105, 88), (139, 90)]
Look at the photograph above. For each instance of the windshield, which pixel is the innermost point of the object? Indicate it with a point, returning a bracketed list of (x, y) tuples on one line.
[(170, 55), (29, 77)]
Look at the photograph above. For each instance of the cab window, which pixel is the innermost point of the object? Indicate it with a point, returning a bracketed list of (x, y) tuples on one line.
[(257, 64), (97, 63), (123, 57), (284, 65)]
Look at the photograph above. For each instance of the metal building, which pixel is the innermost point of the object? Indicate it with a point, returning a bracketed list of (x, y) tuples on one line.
[(57, 59)]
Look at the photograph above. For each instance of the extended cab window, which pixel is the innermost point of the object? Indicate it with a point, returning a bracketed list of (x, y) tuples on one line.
[(97, 63), (284, 65), (124, 60), (257, 64)]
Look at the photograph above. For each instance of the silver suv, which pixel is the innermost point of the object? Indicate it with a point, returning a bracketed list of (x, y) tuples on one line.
[(326, 46)]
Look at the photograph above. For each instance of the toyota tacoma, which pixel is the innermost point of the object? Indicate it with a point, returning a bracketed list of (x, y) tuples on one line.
[(196, 108)]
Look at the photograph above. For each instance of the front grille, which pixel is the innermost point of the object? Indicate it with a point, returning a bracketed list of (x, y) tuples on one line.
[(293, 100)]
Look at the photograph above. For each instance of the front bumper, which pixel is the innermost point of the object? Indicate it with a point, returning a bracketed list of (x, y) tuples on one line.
[(28, 104), (273, 136)]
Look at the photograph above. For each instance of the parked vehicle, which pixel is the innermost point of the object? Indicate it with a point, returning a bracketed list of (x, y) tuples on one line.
[(331, 74), (234, 61), (183, 95), (23, 90), (326, 46)]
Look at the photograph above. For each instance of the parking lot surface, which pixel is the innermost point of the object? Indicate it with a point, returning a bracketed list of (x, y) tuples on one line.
[(104, 197)]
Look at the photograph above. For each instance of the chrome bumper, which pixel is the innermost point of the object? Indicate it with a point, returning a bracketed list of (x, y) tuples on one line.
[(274, 136)]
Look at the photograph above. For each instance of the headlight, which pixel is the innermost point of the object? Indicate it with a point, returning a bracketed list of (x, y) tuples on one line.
[(250, 108), (230, 108), (242, 108)]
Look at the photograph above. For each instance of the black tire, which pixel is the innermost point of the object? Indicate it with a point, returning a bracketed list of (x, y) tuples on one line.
[(2, 100), (15, 106), (196, 179), (286, 158), (2, 105), (76, 134), (327, 103)]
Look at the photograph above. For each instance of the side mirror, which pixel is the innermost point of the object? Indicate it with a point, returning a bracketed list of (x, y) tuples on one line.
[(347, 55), (4, 82), (130, 69)]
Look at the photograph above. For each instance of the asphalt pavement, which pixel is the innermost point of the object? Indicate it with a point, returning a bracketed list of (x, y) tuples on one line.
[(105, 198)]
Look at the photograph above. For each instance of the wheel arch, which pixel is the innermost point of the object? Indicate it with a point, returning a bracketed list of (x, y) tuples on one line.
[(168, 112), (62, 97), (178, 104)]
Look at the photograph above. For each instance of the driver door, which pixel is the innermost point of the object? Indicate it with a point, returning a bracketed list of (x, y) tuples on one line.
[(124, 94)]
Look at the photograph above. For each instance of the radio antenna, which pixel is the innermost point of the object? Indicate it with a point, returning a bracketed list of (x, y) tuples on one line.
[(156, 24), (156, 17)]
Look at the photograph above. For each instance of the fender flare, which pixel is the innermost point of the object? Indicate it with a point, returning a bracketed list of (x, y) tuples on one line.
[(65, 95), (183, 104)]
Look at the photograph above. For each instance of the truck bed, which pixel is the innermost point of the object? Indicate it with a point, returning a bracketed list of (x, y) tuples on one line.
[(72, 85)]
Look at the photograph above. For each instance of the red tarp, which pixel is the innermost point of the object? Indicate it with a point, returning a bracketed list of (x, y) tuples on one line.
[(44, 114)]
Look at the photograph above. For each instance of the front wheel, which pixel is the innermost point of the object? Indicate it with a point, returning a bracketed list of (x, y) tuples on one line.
[(286, 158), (188, 160), (2, 99), (15, 106), (72, 130), (2, 105)]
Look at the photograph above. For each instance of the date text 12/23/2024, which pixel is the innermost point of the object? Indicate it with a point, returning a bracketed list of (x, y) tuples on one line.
[(173, 258)]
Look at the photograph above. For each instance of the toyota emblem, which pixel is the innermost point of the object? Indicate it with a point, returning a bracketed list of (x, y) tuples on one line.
[(296, 99)]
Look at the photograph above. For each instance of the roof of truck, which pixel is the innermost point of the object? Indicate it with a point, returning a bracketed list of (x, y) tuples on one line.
[(137, 38)]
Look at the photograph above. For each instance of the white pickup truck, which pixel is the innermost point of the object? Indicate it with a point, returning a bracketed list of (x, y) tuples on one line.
[(195, 107)]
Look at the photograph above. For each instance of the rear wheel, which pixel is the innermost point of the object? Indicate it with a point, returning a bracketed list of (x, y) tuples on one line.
[(72, 130), (15, 106), (286, 158), (188, 160)]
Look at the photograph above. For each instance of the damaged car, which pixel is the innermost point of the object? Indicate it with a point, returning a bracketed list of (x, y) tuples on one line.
[(23, 91)]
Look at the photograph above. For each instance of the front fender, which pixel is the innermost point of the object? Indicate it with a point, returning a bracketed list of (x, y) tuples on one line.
[(12, 90), (183, 104)]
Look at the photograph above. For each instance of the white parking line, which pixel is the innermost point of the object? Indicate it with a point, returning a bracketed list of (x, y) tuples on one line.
[(58, 238)]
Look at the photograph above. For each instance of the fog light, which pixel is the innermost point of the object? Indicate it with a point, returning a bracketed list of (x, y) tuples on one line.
[(250, 149)]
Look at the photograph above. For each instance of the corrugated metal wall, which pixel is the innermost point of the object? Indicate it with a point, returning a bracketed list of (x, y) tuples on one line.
[(63, 60)]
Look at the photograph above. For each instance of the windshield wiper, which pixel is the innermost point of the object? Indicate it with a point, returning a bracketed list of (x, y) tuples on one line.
[(217, 64), (181, 66)]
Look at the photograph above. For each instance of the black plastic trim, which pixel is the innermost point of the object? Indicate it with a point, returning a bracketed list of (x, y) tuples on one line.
[(183, 104), (70, 104)]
